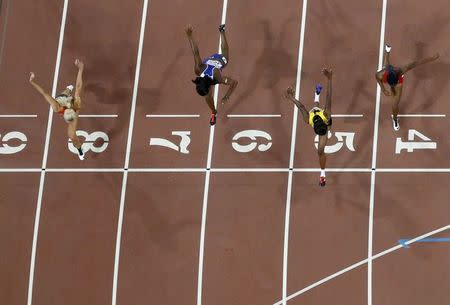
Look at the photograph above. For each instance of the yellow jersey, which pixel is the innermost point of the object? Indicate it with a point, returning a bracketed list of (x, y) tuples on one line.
[(317, 111)]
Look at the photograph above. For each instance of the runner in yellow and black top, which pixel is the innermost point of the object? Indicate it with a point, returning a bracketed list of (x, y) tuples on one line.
[(318, 118)]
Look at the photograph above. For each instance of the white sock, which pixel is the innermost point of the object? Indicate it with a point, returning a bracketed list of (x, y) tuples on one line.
[(388, 48), (322, 173), (316, 97)]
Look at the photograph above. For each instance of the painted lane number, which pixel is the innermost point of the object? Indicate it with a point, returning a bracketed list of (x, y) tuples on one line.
[(182, 147), (5, 149), (411, 145)]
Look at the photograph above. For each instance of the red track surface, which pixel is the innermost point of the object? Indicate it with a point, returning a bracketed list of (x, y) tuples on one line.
[(141, 224)]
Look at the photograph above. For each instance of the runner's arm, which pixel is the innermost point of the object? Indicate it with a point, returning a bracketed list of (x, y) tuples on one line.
[(195, 51), (54, 104), (289, 95), (79, 83), (232, 83), (416, 63)]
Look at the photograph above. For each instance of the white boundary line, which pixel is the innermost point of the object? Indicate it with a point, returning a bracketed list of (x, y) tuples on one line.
[(422, 115), (254, 115), (249, 170), (127, 153), (292, 153), (347, 115), (374, 157), (84, 170), (224, 170), (360, 263), (167, 170), (45, 155), (5, 26), (172, 116), (6, 116), (98, 115), (207, 179), (336, 170), (20, 170), (413, 170)]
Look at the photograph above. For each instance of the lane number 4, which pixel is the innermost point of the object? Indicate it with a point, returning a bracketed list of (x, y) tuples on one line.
[(411, 145)]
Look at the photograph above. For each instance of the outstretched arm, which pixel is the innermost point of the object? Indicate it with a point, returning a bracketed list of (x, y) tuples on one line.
[(79, 84), (232, 83), (54, 104), (289, 95), (414, 64), (329, 75), (194, 48)]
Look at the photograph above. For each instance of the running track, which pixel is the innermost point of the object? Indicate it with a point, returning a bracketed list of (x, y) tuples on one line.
[(141, 224)]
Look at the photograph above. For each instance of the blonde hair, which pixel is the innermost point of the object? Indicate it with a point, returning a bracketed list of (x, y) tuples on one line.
[(70, 115)]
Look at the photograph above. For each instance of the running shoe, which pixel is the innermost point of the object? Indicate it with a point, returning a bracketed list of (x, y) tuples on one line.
[(395, 124), (388, 48), (222, 28), (322, 181), (212, 120), (81, 154), (318, 89)]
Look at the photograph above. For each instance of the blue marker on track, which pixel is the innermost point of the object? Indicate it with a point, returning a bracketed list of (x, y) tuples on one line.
[(404, 244)]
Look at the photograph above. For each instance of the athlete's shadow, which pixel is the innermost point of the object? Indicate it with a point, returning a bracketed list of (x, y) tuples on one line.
[(264, 74), (109, 77), (359, 94), (152, 96), (437, 72)]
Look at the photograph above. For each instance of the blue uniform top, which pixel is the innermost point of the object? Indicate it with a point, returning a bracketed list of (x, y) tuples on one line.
[(215, 61)]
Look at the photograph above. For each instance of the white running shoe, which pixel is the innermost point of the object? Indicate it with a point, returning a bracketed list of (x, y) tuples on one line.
[(70, 87), (395, 124), (388, 48)]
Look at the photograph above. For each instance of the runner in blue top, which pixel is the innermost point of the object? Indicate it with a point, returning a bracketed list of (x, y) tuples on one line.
[(209, 71)]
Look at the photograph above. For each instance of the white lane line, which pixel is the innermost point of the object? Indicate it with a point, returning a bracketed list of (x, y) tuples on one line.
[(172, 116), (347, 115), (336, 170), (292, 152), (225, 170), (254, 115), (5, 26), (127, 153), (20, 170), (374, 157), (84, 170), (45, 155), (249, 170), (207, 179), (360, 263), (418, 115), (413, 170), (98, 115), (5, 116), (167, 170)]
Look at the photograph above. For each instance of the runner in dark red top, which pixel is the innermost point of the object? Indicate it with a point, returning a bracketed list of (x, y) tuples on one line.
[(394, 77)]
